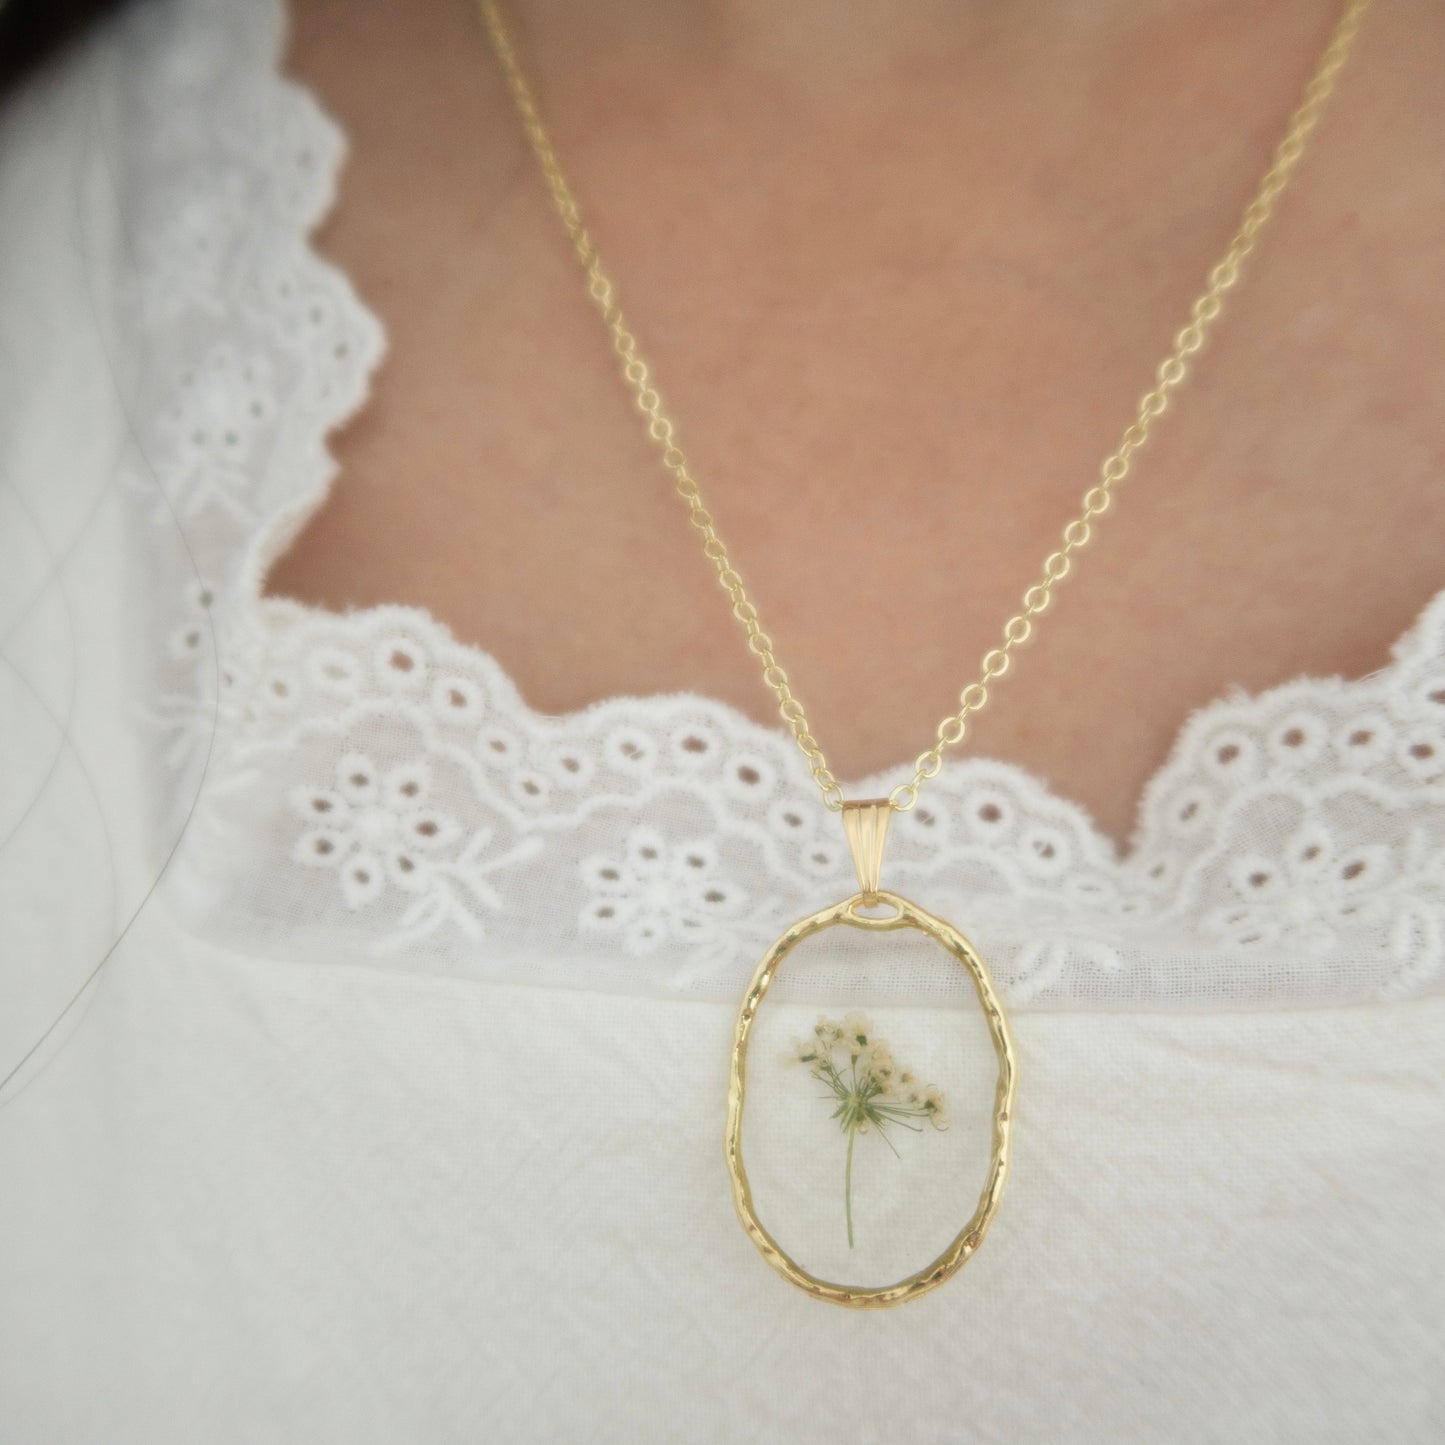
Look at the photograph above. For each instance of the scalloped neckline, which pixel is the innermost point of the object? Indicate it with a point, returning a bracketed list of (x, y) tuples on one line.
[(279, 527)]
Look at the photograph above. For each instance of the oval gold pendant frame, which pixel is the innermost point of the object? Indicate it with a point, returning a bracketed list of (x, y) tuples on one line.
[(968, 1239)]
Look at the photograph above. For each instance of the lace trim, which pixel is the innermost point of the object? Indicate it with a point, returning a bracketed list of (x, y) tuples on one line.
[(377, 785)]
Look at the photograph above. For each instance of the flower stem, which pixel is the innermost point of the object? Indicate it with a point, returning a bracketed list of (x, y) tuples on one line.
[(848, 1187)]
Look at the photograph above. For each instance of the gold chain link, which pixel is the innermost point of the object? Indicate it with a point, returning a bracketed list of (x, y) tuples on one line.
[(1096, 501)]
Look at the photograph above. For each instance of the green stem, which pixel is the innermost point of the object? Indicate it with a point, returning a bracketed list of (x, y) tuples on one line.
[(848, 1187)]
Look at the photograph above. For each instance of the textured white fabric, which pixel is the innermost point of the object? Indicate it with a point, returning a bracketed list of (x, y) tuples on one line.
[(395, 1111)]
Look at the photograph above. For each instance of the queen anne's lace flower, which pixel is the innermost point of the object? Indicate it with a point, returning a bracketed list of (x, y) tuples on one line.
[(870, 1091)]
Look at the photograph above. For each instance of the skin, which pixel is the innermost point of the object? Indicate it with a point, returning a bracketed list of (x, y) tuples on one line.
[(903, 284)]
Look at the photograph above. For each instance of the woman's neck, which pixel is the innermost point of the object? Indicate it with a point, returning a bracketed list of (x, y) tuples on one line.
[(900, 315)]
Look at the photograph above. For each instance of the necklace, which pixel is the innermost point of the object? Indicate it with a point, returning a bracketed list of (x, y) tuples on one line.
[(871, 1091)]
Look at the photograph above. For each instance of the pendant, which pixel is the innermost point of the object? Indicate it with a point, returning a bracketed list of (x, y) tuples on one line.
[(866, 824)]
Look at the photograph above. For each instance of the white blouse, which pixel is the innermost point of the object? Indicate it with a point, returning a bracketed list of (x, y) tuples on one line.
[(372, 1029)]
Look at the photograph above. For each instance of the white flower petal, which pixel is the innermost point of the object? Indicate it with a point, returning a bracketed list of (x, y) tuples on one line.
[(407, 785), (321, 848), (430, 830), (363, 879), (356, 777), (646, 852), (408, 870)]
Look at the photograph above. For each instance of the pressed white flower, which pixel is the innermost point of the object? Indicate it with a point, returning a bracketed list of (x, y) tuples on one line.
[(870, 1090), (933, 1106), (882, 1067), (803, 1051)]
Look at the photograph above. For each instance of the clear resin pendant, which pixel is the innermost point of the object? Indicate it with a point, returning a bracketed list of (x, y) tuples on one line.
[(866, 1098)]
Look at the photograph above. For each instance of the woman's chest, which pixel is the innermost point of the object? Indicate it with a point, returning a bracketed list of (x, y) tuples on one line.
[(894, 377)]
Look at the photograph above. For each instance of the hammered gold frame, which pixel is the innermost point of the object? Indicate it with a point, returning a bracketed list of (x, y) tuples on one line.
[(968, 1239)]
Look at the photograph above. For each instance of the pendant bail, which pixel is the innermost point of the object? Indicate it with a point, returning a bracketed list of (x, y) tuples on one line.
[(865, 821)]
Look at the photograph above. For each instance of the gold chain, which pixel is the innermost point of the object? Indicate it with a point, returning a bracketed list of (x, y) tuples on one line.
[(1096, 501)]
